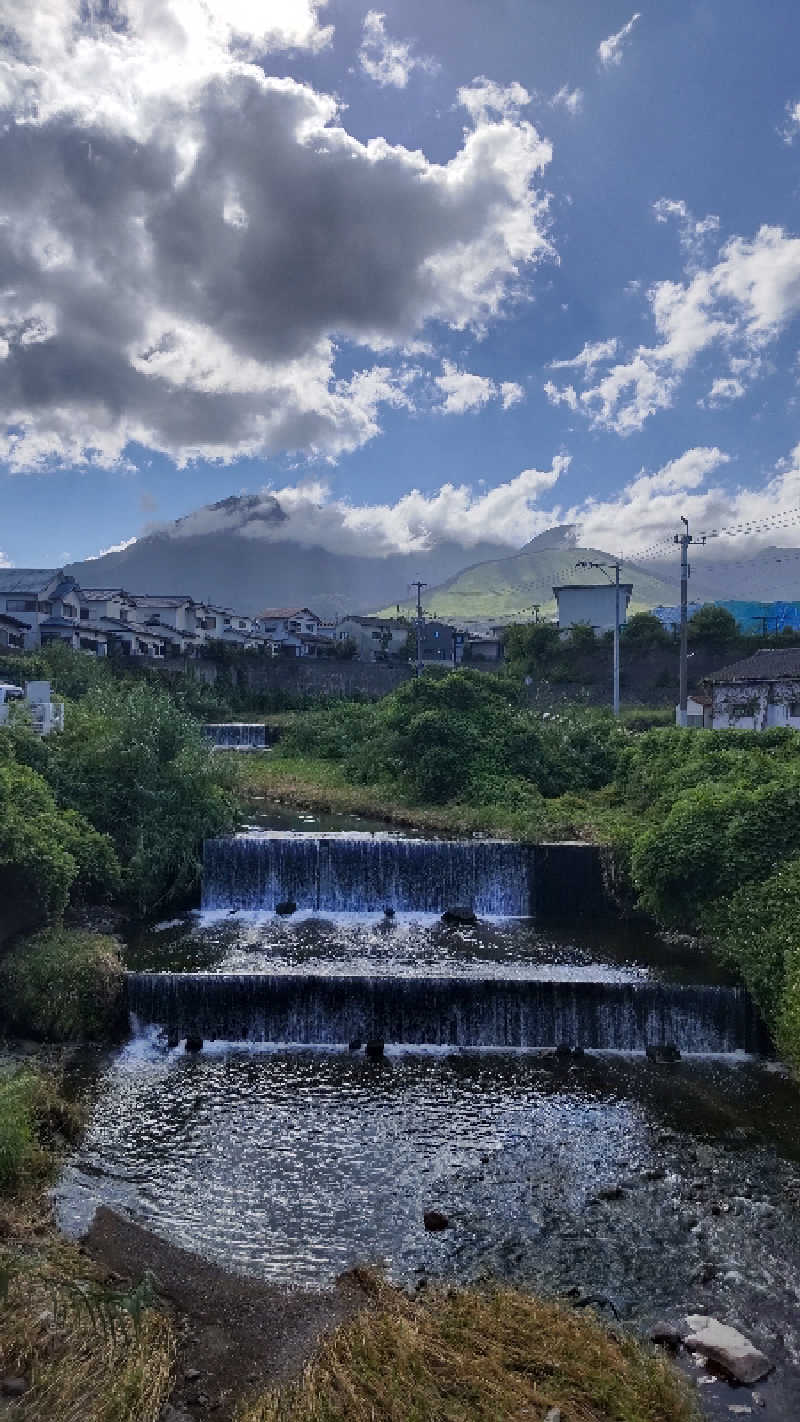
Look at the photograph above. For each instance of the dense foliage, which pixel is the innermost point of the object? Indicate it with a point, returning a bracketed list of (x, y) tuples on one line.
[(63, 985), (137, 767), (47, 854), (464, 737)]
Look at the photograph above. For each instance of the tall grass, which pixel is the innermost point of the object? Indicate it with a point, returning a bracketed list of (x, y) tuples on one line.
[(471, 1356)]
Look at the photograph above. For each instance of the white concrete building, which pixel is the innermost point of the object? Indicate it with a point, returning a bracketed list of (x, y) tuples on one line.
[(592, 604), (375, 637), (759, 692)]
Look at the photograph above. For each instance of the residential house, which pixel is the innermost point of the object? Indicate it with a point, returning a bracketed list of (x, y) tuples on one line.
[(43, 599), (285, 627), (593, 604), (12, 632), (439, 642), (376, 638), (484, 649), (760, 691)]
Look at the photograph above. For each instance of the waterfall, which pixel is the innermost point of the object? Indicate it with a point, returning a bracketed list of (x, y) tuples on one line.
[(236, 735), (364, 873), (457, 1012)]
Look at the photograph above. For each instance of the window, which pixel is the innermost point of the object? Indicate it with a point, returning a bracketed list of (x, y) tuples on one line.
[(84, 614), (794, 710), (123, 614), (23, 604), (69, 610)]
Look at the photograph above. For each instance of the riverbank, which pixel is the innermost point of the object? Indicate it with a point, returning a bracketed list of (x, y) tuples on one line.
[(309, 783), (125, 1327)]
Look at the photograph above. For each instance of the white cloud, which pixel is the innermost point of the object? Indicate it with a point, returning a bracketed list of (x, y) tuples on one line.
[(569, 99), (387, 60), (740, 303), (483, 97), (114, 548), (180, 283), (646, 510), (693, 231), (724, 390), (792, 124), (5, 561), (563, 395), (610, 50), (464, 391), (593, 353), (511, 393), (307, 514)]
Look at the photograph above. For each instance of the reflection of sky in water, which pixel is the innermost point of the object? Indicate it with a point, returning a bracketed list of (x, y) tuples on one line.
[(412, 945)]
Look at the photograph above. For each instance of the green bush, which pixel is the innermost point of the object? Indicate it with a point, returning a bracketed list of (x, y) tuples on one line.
[(63, 985), (45, 853), (139, 769), (643, 631), (33, 1116)]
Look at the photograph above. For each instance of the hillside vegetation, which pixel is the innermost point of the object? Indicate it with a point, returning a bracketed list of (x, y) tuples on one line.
[(508, 587)]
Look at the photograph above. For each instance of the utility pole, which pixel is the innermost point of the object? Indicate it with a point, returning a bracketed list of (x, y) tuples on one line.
[(603, 568), (419, 586), (684, 539)]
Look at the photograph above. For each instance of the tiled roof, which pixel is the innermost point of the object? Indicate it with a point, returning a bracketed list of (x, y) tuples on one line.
[(26, 580), (58, 622), (287, 612), (764, 665), (101, 594), (157, 600), (9, 621)]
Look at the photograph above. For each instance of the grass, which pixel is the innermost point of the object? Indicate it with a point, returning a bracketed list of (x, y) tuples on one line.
[(62, 985), (80, 1366), (477, 1356), (317, 784), (33, 1116), (87, 1353)]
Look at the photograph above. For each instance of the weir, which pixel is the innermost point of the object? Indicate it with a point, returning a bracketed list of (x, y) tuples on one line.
[(315, 1009), (236, 735), (365, 873)]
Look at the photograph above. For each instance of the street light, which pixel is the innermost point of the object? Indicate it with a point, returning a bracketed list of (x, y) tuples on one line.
[(603, 568)]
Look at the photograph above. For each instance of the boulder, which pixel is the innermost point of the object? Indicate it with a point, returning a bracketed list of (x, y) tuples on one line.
[(375, 1049), (435, 1220), (666, 1335), (355, 1044), (286, 907), (388, 912), (194, 1043), (459, 913), (726, 1347), (663, 1052)]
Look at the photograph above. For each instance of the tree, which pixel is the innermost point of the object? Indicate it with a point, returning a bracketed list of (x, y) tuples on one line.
[(138, 769), (582, 637), (712, 625), (532, 647), (643, 631)]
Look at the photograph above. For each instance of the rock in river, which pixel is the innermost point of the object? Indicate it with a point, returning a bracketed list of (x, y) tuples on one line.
[(726, 1347), (459, 913), (434, 1220)]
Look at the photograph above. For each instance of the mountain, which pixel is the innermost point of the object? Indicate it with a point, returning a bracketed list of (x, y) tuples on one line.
[(770, 575), (512, 585), (246, 552)]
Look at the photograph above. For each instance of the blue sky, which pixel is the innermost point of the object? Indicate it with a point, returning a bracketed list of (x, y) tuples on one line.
[(351, 253)]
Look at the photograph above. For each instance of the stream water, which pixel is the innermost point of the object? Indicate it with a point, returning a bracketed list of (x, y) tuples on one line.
[(665, 1189)]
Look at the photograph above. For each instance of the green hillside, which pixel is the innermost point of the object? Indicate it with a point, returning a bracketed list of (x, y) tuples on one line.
[(509, 587)]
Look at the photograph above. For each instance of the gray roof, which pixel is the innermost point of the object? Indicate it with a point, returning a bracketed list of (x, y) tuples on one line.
[(9, 621), (764, 665), (159, 600), (101, 594), (27, 580)]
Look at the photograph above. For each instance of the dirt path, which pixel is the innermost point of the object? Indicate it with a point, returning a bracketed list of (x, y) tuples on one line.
[(237, 1336)]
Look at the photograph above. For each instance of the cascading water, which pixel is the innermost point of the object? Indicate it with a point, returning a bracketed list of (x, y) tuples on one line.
[(496, 1012), (363, 873), (236, 735)]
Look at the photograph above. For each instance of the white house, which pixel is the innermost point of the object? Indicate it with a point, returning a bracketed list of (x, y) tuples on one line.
[(285, 627), (43, 599), (592, 603), (375, 637), (760, 691)]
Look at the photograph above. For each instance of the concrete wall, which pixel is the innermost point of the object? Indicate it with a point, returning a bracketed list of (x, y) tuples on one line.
[(756, 706), (592, 604), (303, 676)]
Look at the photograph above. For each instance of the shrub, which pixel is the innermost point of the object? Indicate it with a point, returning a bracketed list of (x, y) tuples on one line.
[(712, 626), (45, 852), (33, 1115), (643, 631), (139, 769), (63, 985), (758, 932)]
